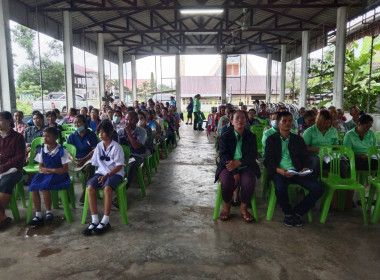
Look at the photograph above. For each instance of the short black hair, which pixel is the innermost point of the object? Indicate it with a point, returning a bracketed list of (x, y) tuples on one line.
[(107, 128), (7, 116), (364, 119), (252, 110), (51, 130), (57, 111), (283, 114), (20, 112), (141, 113), (37, 113), (52, 113), (134, 115), (83, 119)]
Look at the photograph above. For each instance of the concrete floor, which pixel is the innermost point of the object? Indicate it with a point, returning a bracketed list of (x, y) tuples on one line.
[(171, 235)]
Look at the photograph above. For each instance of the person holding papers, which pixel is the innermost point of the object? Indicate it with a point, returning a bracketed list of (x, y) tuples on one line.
[(85, 142), (285, 151)]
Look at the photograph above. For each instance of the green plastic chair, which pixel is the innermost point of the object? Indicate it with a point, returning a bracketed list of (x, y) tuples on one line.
[(258, 130), (121, 194), (13, 206), (264, 180), (147, 162), (273, 199), (65, 204), (219, 200), (71, 149), (335, 182), (341, 136), (33, 167), (374, 183), (165, 147), (19, 191), (157, 155), (140, 179), (68, 126)]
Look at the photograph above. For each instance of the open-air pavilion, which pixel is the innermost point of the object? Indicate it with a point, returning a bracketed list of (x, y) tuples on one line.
[(171, 234)]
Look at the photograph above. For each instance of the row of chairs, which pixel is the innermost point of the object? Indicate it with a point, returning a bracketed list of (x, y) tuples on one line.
[(333, 182), (150, 163)]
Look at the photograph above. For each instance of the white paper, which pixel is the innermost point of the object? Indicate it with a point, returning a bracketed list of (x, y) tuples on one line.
[(306, 172)]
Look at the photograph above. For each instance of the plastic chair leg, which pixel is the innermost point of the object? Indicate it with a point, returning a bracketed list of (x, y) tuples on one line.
[(170, 146), (165, 147), (371, 195), (254, 207), (148, 169), (364, 208), (85, 208), (121, 198), (326, 206), (20, 191), (218, 201), (30, 208), (153, 162), (376, 212), (72, 194), (54, 199), (341, 200), (140, 179), (14, 208), (175, 140), (272, 202), (65, 205)]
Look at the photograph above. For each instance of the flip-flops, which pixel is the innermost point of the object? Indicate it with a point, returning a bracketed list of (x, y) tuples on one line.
[(248, 218), (224, 216)]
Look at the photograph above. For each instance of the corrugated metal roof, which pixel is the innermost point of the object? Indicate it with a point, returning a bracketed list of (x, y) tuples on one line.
[(94, 18)]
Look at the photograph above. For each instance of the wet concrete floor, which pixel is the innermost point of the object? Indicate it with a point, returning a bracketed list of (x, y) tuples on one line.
[(171, 235)]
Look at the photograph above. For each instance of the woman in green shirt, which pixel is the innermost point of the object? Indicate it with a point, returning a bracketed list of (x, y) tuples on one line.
[(359, 139), (319, 135)]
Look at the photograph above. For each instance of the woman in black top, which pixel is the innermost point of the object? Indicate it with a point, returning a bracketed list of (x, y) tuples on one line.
[(237, 166)]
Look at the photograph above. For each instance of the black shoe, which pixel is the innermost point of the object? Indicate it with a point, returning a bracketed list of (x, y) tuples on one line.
[(99, 231), (297, 221), (88, 231), (201, 129), (36, 222), (49, 217), (289, 221)]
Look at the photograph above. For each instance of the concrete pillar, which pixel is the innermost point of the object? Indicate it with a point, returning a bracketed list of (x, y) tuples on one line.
[(68, 59), (7, 86), (340, 50), (304, 68), (101, 66), (134, 77), (178, 82), (269, 78), (224, 78), (121, 75), (283, 73)]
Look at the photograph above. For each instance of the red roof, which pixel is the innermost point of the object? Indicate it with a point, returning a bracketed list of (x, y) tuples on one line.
[(128, 82)]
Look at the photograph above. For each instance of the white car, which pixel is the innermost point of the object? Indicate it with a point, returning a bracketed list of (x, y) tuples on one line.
[(58, 101)]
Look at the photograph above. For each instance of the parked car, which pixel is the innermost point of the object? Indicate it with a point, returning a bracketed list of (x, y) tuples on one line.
[(58, 100), (162, 97)]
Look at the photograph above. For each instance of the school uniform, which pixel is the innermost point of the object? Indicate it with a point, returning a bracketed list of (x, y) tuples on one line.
[(106, 160), (51, 159)]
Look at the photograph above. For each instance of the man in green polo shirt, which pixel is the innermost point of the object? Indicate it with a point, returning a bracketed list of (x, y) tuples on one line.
[(286, 151)]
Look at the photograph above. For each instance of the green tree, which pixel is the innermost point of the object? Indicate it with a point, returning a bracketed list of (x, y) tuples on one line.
[(143, 90), (25, 37), (293, 78), (152, 83)]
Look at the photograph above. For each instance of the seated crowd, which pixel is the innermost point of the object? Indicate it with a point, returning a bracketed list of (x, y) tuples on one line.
[(97, 137), (288, 145)]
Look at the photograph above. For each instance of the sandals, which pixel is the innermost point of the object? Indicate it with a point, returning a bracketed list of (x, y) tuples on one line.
[(5, 223), (224, 215), (248, 218)]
